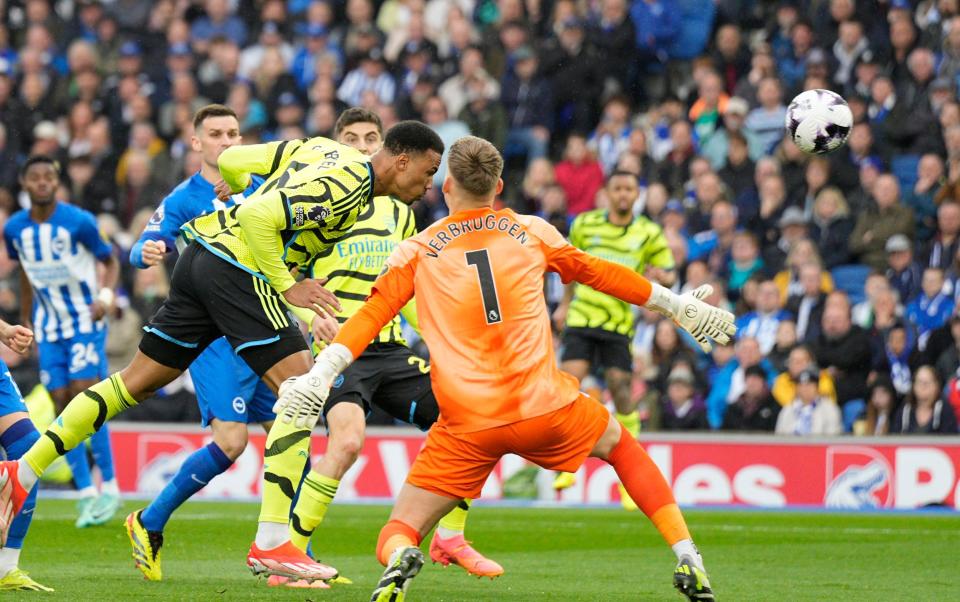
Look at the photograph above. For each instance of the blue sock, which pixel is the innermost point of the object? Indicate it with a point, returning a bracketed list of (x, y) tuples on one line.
[(199, 467), (102, 453), (80, 466), (15, 441)]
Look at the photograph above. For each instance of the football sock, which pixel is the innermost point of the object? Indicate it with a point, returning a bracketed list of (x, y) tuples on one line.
[(631, 422), (82, 417), (102, 453), (287, 448), (9, 559), (455, 521), (647, 487), (685, 547), (316, 493), (15, 441), (196, 471), (395, 534), (79, 465)]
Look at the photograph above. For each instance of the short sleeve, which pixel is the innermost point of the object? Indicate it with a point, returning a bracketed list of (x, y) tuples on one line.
[(657, 252), (88, 234), (8, 238)]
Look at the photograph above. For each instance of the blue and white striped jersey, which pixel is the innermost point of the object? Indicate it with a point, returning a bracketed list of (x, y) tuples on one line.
[(59, 257)]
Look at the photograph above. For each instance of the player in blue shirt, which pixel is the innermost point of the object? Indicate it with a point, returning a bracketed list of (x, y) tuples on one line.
[(17, 434), (229, 393), (59, 246)]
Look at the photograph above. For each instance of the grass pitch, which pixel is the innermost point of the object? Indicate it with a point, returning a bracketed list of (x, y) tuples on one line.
[(549, 554)]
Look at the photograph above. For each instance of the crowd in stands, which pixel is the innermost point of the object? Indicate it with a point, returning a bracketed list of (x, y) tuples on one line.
[(843, 270)]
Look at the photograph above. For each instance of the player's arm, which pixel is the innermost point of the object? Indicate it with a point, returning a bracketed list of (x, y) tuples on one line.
[(704, 322), (238, 163), (262, 219), (17, 338), (659, 259), (159, 236), (26, 299), (89, 236)]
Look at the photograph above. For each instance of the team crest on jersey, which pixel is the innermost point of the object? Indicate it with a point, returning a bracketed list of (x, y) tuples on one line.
[(58, 246)]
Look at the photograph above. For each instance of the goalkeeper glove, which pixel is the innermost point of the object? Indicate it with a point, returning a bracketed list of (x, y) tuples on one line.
[(300, 399), (690, 312)]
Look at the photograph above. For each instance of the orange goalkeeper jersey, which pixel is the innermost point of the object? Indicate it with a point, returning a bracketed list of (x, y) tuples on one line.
[(478, 278)]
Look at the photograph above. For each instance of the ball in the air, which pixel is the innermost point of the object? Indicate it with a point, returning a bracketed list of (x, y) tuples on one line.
[(819, 121)]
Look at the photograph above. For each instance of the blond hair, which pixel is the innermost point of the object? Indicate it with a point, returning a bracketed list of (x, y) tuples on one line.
[(475, 164)]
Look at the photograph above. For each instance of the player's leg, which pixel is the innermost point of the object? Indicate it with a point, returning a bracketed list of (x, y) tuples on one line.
[(55, 359), (84, 375), (448, 469), (404, 391), (346, 424), (617, 361), (178, 332), (579, 351), (17, 434), (646, 485)]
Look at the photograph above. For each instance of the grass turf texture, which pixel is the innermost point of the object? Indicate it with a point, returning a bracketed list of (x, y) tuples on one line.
[(555, 554)]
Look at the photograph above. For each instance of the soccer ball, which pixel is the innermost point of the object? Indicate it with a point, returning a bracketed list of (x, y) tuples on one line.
[(819, 121)]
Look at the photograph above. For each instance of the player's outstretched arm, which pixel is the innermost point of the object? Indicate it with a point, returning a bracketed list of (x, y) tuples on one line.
[(237, 163)]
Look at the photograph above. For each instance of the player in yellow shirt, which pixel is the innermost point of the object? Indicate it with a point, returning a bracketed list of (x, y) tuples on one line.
[(597, 328), (230, 281)]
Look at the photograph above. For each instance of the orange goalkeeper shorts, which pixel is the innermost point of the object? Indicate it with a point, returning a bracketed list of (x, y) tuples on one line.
[(458, 464)]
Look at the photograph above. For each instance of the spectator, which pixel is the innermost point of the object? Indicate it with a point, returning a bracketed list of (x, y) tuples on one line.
[(569, 61), (785, 385), (844, 350), (932, 308), (898, 340), (731, 57), (940, 251), (792, 62), (657, 24), (709, 107), (727, 383), (715, 245), (766, 222), (850, 45), (903, 273), (807, 305), (483, 115), (755, 409), (371, 75), (925, 412), (449, 130), (862, 314), (737, 173), (455, 91), (766, 122), (745, 261), (831, 227), (681, 409), (882, 406), (528, 100), (218, 21), (580, 175), (612, 135), (614, 36), (673, 169), (785, 342), (874, 227), (809, 414), (897, 127)]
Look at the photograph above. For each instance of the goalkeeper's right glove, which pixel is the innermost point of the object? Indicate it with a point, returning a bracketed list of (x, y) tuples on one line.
[(301, 399), (690, 312)]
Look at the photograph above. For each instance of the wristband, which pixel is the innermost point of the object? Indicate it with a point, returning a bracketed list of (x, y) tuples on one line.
[(106, 296)]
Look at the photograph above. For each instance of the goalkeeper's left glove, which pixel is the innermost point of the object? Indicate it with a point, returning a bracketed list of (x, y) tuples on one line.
[(690, 312), (301, 399)]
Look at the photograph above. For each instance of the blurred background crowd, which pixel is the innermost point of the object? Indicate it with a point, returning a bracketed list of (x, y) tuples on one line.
[(843, 270)]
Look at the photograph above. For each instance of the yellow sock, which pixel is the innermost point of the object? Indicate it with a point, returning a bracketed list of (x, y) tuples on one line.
[(315, 496), (456, 519), (288, 448), (82, 417), (631, 422)]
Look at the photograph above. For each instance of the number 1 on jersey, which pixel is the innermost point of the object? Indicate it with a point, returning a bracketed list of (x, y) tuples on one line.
[(488, 289)]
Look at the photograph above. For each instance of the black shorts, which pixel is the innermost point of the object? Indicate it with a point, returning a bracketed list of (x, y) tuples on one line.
[(597, 346), (391, 377), (210, 298)]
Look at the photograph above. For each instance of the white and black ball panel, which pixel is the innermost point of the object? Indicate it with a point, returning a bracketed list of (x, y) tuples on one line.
[(819, 121)]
